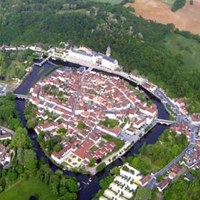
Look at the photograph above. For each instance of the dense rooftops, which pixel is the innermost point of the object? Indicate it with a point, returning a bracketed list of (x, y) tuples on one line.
[(88, 105)]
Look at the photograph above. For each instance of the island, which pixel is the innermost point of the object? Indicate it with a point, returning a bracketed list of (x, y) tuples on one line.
[(92, 118)]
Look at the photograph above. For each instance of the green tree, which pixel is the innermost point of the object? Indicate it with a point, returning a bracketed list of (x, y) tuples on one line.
[(92, 162), (72, 186), (30, 160), (101, 167), (81, 125), (19, 139), (57, 148)]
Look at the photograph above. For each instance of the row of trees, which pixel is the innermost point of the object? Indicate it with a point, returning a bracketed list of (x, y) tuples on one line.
[(61, 185)]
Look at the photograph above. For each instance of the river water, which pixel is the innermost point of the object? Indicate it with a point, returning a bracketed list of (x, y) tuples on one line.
[(89, 184)]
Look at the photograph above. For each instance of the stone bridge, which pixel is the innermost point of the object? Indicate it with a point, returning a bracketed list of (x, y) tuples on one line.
[(21, 96), (41, 63), (164, 121)]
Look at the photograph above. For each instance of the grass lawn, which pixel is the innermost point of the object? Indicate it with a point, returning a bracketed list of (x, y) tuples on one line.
[(94, 148), (110, 123), (119, 143), (188, 48), (26, 188)]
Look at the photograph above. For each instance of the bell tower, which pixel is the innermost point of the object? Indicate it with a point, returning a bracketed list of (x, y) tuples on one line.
[(108, 51)]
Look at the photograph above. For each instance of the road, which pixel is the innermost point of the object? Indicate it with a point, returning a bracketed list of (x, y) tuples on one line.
[(77, 94)]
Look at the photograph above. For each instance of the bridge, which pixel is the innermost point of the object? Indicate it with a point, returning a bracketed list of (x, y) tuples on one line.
[(164, 121), (43, 61), (21, 96)]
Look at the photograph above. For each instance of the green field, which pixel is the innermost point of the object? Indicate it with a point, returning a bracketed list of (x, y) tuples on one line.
[(107, 1), (188, 48), (81, 11), (170, 2), (26, 188)]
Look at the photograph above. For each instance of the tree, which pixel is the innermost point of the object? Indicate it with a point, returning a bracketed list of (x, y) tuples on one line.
[(81, 125), (31, 123), (104, 183), (54, 183), (58, 138), (63, 190), (115, 171), (20, 156), (30, 160), (92, 162), (12, 175), (57, 147), (19, 139), (62, 130), (72, 186), (20, 169), (101, 167)]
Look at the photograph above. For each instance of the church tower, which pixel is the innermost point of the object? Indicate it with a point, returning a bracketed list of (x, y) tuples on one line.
[(108, 51)]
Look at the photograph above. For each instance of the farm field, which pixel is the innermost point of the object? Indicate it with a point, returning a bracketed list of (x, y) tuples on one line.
[(186, 18), (26, 188)]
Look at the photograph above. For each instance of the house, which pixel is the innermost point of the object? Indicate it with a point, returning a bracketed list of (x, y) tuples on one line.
[(60, 156), (5, 134), (195, 119), (149, 86), (172, 175), (110, 131), (145, 180), (180, 128), (175, 168), (162, 185)]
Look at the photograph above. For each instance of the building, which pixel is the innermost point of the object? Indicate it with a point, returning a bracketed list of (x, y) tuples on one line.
[(124, 185), (162, 185), (145, 180)]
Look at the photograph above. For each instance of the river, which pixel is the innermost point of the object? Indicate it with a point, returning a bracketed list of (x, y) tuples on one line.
[(89, 184)]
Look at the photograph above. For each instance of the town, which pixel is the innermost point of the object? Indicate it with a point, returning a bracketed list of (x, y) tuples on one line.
[(87, 107), (96, 117)]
